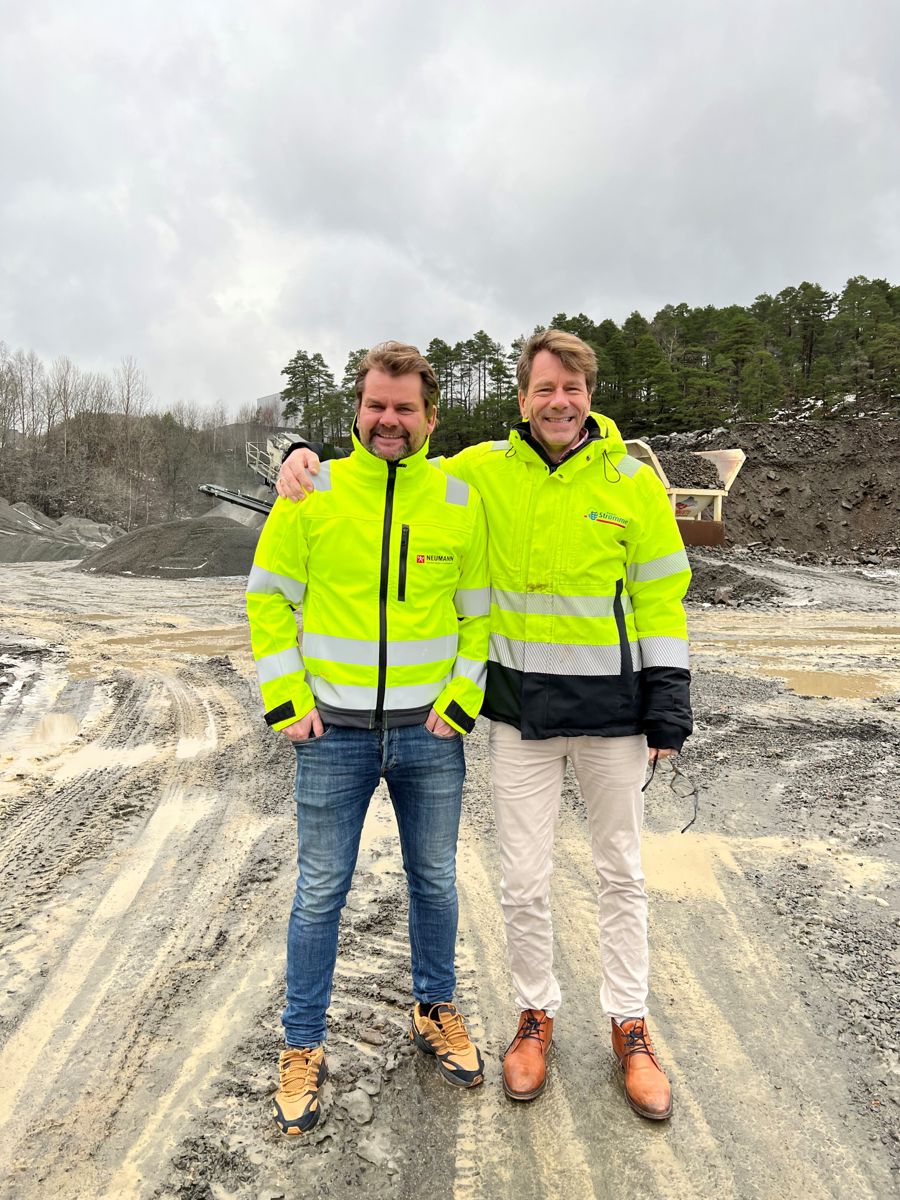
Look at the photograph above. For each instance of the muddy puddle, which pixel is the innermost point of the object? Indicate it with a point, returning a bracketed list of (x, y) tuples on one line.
[(801, 649)]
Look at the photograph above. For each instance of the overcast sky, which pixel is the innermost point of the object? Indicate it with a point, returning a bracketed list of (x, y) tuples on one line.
[(209, 185)]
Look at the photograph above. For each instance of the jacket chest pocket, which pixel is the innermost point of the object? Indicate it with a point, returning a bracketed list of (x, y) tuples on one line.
[(425, 566), (404, 562)]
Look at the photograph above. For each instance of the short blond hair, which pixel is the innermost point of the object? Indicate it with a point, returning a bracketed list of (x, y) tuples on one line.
[(399, 358), (573, 353)]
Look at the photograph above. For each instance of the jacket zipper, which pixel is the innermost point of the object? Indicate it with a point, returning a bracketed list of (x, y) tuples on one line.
[(404, 554), (624, 645), (383, 593)]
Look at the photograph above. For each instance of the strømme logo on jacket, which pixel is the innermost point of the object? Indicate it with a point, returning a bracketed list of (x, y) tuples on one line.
[(607, 518)]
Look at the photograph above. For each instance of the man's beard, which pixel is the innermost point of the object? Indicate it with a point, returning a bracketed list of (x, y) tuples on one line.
[(403, 451)]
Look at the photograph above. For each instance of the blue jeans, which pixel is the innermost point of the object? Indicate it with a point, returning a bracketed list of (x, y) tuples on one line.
[(336, 776)]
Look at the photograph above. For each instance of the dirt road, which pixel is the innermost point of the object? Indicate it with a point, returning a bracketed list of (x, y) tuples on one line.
[(146, 845)]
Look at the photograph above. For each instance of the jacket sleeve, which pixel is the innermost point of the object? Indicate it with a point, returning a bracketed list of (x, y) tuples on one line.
[(324, 450), (460, 701), (275, 592), (658, 574)]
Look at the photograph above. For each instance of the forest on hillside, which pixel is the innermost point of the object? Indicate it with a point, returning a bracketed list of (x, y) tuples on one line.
[(806, 351), (100, 446)]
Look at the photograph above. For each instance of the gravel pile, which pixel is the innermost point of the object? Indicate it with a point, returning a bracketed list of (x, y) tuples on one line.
[(26, 535), (179, 550), (720, 583), (686, 470)]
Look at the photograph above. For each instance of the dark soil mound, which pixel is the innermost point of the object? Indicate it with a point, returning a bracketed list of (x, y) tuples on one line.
[(179, 550), (824, 488), (720, 583)]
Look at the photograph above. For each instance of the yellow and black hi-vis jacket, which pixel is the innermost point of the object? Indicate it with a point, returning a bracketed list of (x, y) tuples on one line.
[(588, 573), (388, 563)]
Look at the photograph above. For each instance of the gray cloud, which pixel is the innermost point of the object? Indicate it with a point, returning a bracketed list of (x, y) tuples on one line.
[(209, 187)]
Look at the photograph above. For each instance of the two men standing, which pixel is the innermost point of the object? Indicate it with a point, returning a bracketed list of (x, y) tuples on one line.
[(587, 663)]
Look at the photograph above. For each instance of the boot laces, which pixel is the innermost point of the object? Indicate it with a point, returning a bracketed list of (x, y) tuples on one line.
[(637, 1040), (453, 1027), (299, 1072), (532, 1026)]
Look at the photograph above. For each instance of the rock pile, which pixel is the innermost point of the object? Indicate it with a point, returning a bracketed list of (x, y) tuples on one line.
[(716, 582), (179, 550), (823, 488), (686, 470), (26, 535)]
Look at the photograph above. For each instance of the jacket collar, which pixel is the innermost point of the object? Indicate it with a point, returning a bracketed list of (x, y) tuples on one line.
[(602, 433)]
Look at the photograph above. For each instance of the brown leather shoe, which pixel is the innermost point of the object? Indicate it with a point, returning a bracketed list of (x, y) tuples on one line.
[(646, 1087), (524, 1063)]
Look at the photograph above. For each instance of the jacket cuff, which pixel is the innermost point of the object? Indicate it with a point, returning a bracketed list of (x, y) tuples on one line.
[(291, 710), (451, 711), (665, 737)]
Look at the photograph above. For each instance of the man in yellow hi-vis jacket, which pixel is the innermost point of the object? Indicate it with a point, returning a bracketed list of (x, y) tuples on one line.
[(388, 563), (588, 662)]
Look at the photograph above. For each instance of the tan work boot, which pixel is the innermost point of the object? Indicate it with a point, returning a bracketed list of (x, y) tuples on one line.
[(295, 1106), (524, 1063), (646, 1087)]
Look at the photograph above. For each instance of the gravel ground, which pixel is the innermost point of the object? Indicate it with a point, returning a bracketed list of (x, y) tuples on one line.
[(146, 850)]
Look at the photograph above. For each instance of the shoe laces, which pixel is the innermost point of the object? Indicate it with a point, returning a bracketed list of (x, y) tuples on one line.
[(637, 1040), (532, 1026), (299, 1071), (453, 1027)]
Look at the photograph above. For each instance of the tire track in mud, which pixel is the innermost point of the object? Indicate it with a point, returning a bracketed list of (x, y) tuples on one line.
[(531, 1148), (362, 1145), (125, 967)]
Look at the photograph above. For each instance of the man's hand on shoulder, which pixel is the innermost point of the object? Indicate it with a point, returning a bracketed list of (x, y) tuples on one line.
[(295, 477), (307, 727), (438, 726)]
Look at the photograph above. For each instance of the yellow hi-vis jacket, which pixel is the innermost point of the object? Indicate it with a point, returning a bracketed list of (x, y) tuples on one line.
[(388, 562), (588, 572)]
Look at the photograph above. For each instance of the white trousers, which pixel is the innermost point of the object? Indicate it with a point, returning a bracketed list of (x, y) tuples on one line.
[(527, 781)]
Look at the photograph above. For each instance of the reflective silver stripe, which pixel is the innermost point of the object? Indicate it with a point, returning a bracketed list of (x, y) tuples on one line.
[(548, 659), (503, 444), (352, 696), (665, 652), (628, 466), (659, 568), (322, 481), (273, 666), (267, 583), (457, 491), (540, 604), (472, 602), (468, 668), (360, 653)]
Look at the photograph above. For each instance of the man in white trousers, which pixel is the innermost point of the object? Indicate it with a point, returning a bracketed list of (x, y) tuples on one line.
[(588, 663)]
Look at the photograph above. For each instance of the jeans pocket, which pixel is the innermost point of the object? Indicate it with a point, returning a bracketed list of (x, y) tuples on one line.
[(314, 741), (442, 737)]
